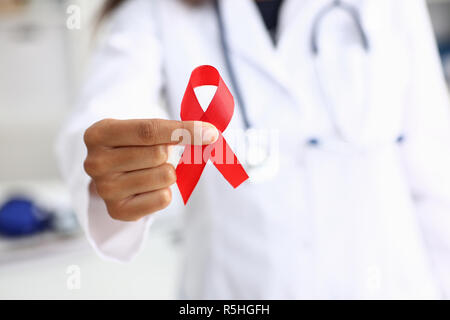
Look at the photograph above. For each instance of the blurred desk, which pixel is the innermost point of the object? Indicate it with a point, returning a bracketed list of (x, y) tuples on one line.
[(36, 267), (153, 274)]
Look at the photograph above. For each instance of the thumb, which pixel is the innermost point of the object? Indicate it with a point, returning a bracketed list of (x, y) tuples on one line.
[(195, 133)]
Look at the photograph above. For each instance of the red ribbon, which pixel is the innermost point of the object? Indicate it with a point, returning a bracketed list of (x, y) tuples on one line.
[(219, 113)]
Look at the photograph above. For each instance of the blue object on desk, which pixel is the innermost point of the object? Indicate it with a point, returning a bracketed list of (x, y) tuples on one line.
[(21, 217)]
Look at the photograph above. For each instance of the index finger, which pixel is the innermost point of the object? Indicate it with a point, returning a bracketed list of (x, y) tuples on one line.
[(145, 132)]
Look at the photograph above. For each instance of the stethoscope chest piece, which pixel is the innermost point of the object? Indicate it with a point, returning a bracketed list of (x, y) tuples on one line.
[(261, 154), (256, 149)]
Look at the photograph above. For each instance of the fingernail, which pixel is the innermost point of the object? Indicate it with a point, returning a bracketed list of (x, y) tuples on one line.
[(209, 134)]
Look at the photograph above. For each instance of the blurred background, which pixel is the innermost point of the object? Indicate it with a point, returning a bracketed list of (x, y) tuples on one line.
[(41, 66)]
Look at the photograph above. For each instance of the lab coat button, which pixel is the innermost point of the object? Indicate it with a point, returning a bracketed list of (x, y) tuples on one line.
[(400, 139), (314, 142)]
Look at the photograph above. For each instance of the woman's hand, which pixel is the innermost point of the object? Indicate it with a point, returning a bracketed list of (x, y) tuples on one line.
[(127, 161)]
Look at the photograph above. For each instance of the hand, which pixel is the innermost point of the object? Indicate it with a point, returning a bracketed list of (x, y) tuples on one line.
[(127, 161)]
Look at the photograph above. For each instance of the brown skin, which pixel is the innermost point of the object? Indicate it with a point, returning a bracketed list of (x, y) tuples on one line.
[(127, 161)]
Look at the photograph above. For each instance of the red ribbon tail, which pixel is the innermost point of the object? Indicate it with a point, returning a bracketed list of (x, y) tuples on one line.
[(188, 173), (233, 173), (229, 166)]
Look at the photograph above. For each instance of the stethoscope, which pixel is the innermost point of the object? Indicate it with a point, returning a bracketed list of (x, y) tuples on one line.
[(353, 13)]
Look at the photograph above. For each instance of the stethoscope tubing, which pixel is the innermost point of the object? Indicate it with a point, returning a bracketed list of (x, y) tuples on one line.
[(352, 12), (229, 66)]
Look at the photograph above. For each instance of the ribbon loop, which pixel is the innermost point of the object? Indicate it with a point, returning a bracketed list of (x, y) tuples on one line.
[(219, 113)]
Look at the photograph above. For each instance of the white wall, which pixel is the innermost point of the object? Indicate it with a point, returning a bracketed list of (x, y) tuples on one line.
[(41, 63)]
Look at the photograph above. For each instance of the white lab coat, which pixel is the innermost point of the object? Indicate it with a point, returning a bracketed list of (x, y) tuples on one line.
[(365, 218)]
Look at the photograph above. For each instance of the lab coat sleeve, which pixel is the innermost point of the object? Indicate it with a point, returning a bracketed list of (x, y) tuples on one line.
[(427, 144), (124, 82)]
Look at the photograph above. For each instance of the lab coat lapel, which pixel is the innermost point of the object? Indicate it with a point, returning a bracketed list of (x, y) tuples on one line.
[(251, 42), (296, 18)]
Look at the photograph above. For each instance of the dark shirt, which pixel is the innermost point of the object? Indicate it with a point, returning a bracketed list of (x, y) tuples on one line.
[(270, 10)]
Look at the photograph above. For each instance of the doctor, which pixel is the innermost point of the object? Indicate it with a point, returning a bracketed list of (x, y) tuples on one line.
[(359, 205)]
